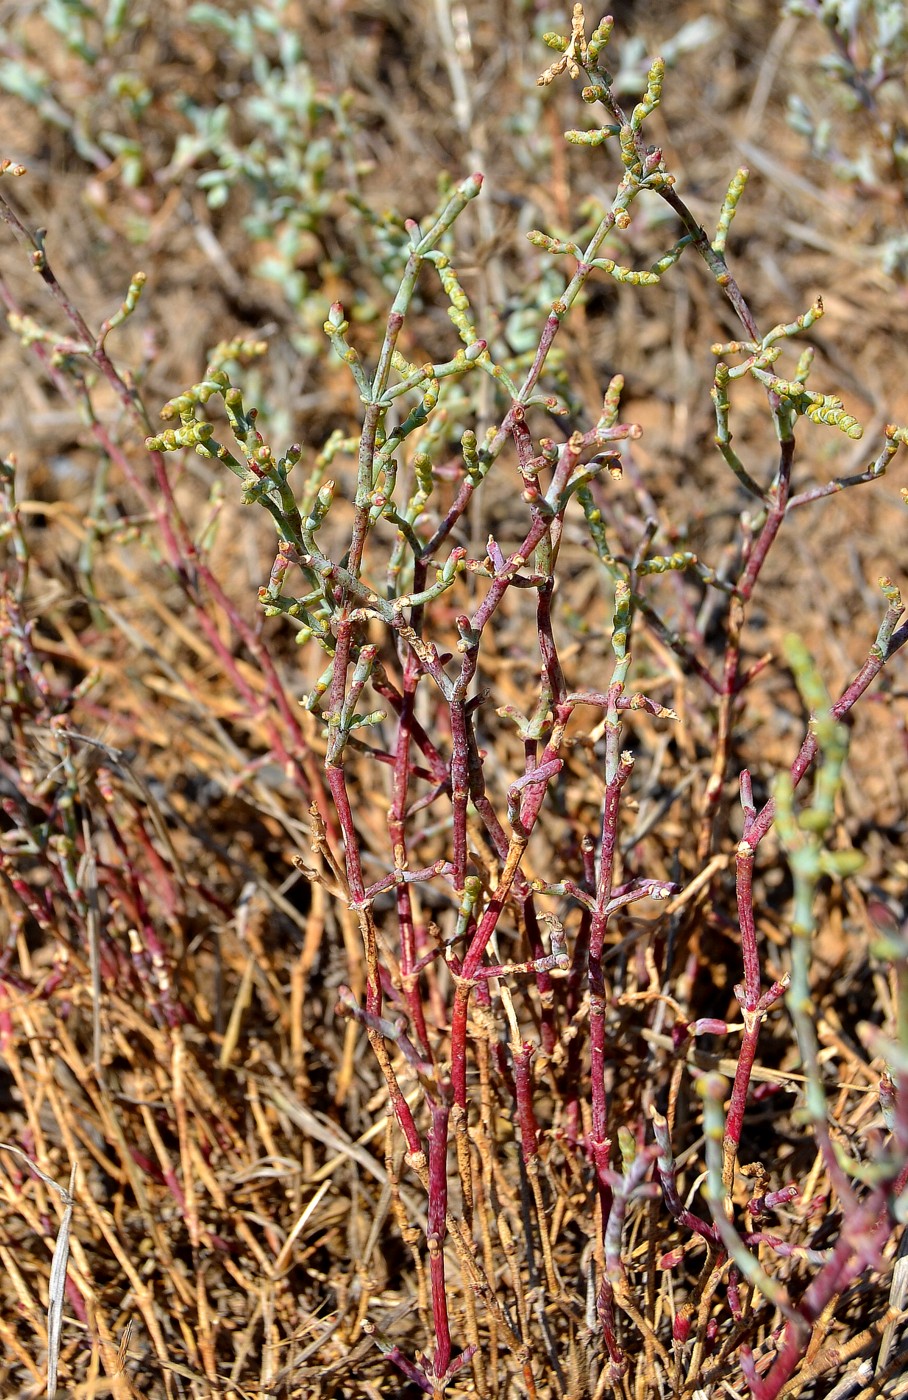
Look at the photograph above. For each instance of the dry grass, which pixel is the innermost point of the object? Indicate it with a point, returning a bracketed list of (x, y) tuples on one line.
[(174, 936)]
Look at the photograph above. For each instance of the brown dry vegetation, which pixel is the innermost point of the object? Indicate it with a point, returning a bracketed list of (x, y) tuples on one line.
[(169, 979)]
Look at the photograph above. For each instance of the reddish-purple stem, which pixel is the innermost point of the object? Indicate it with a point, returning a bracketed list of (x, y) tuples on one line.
[(460, 751), (526, 1116), (750, 953), (436, 1230), (871, 668), (665, 1166)]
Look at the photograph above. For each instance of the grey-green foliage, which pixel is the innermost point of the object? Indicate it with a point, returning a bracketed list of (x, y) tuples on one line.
[(865, 70), (296, 136), (875, 29), (97, 100), (78, 65)]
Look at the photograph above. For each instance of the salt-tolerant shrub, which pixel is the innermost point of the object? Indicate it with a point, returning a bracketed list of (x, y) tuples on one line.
[(567, 1109)]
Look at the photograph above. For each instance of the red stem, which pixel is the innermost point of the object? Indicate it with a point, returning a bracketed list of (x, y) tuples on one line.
[(523, 1080), (436, 1230)]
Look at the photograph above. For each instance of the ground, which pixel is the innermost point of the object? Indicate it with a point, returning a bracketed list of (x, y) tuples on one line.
[(172, 1013)]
